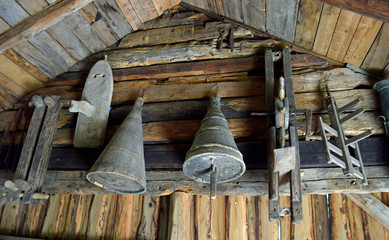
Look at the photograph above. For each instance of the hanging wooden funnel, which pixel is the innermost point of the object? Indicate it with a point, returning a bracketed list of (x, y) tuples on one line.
[(214, 156), (121, 166)]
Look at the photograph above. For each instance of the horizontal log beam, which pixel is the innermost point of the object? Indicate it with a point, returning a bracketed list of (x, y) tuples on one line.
[(39, 22), (252, 183), (378, 9)]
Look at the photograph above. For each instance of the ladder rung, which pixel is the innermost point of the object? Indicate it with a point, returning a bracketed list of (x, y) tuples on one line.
[(358, 137), (355, 161), (328, 129), (352, 115), (335, 149), (337, 161), (348, 106)]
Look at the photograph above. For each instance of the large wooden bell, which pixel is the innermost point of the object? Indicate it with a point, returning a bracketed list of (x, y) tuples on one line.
[(214, 156), (121, 166)]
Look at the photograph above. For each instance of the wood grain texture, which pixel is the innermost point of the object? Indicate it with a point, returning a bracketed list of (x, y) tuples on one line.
[(69, 41), (148, 227), (377, 57), (12, 87), (379, 9), (139, 10), (307, 23), (364, 36), (33, 7), (12, 12), (344, 31), (161, 6), (39, 22), (114, 17), (253, 12), (130, 13), (78, 211), (236, 225), (180, 226), (320, 221), (233, 10), (281, 18), (326, 28)]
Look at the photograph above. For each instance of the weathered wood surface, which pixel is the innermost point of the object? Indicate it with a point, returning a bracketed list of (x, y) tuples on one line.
[(182, 33), (253, 182), (378, 10), (373, 206), (281, 18), (39, 22), (180, 52), (164, 71)]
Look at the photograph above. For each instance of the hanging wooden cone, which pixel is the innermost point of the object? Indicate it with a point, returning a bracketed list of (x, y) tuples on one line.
[(214, 149), (121, 166)]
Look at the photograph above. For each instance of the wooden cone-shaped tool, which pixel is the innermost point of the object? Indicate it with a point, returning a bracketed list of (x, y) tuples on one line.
[(214, 156), (121, 166)]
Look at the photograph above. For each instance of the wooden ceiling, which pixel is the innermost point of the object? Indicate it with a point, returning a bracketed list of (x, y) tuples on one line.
[(60, 34)]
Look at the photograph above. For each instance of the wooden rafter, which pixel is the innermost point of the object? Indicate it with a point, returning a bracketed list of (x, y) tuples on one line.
[(39, 22)]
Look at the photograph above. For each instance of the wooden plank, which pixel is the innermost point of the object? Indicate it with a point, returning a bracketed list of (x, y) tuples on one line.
[(12, 87), (52, 49), (307, 23), (25, 65), (69, 41), (161, 6), (344, 32), (101, 217), (176, 19), (328, 19), (377, 58), (128, 216), (180, 212), (33, 7), (284, 12), (34, 219), (55, 220), (163, 221), (179, 34), (18, 75), (112, 14), (149, 8), (12, 219), (7, 100), (180, 52), (77, 23), (39, 22), (267, 229), (236, 226), (254, 13), (320, 221), (233, 10), (202, 217), (3, 26), (364, 37), (76, 224), (139, 10), (130, 13), (38, 59), (99, 25), (218, 219), (378, 10), (304, 230), (148, 227), (12, 12), (373, 206)]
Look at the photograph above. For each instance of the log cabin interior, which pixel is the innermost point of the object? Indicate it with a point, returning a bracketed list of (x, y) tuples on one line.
[(176, 55)]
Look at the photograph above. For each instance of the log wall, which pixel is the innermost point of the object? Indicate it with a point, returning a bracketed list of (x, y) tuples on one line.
[(184, 216)]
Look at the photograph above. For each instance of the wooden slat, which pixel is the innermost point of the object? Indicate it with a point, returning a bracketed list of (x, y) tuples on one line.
[(176, 19), (11, 222), (149, 8), (77, 23), (180, 52), (267, 229), (378, 10), (254, 13), (69, 41), (320, 221), (344, 31), (55, 220), (181, 206), (161, 6), (76, 218), (33, 220), (218, 220), (33, 7), (236, 225), (12, 12), (113, 15), (128, 215), (326, 28), (304, 230), (202, 216), (233, 10), (12, 87), (307, 23), (281, 18), (38, 59), (130, 13), (364, 37), (148, 227), (25, 65), (102, 216), (3, 25), (52, 49), (178, 34), (373, 206), (99, 26), (139, 10), (18, 75), (39, 22), (377, 58)]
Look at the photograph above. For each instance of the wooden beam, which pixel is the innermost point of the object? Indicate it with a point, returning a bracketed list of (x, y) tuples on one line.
[(373, 206), (252, 183), (39, 22), (378, 9)]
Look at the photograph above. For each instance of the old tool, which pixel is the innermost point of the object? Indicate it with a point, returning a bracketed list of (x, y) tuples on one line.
[(283, 160), (339, 152), (121, 166), (35, 155), (214, 157)]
